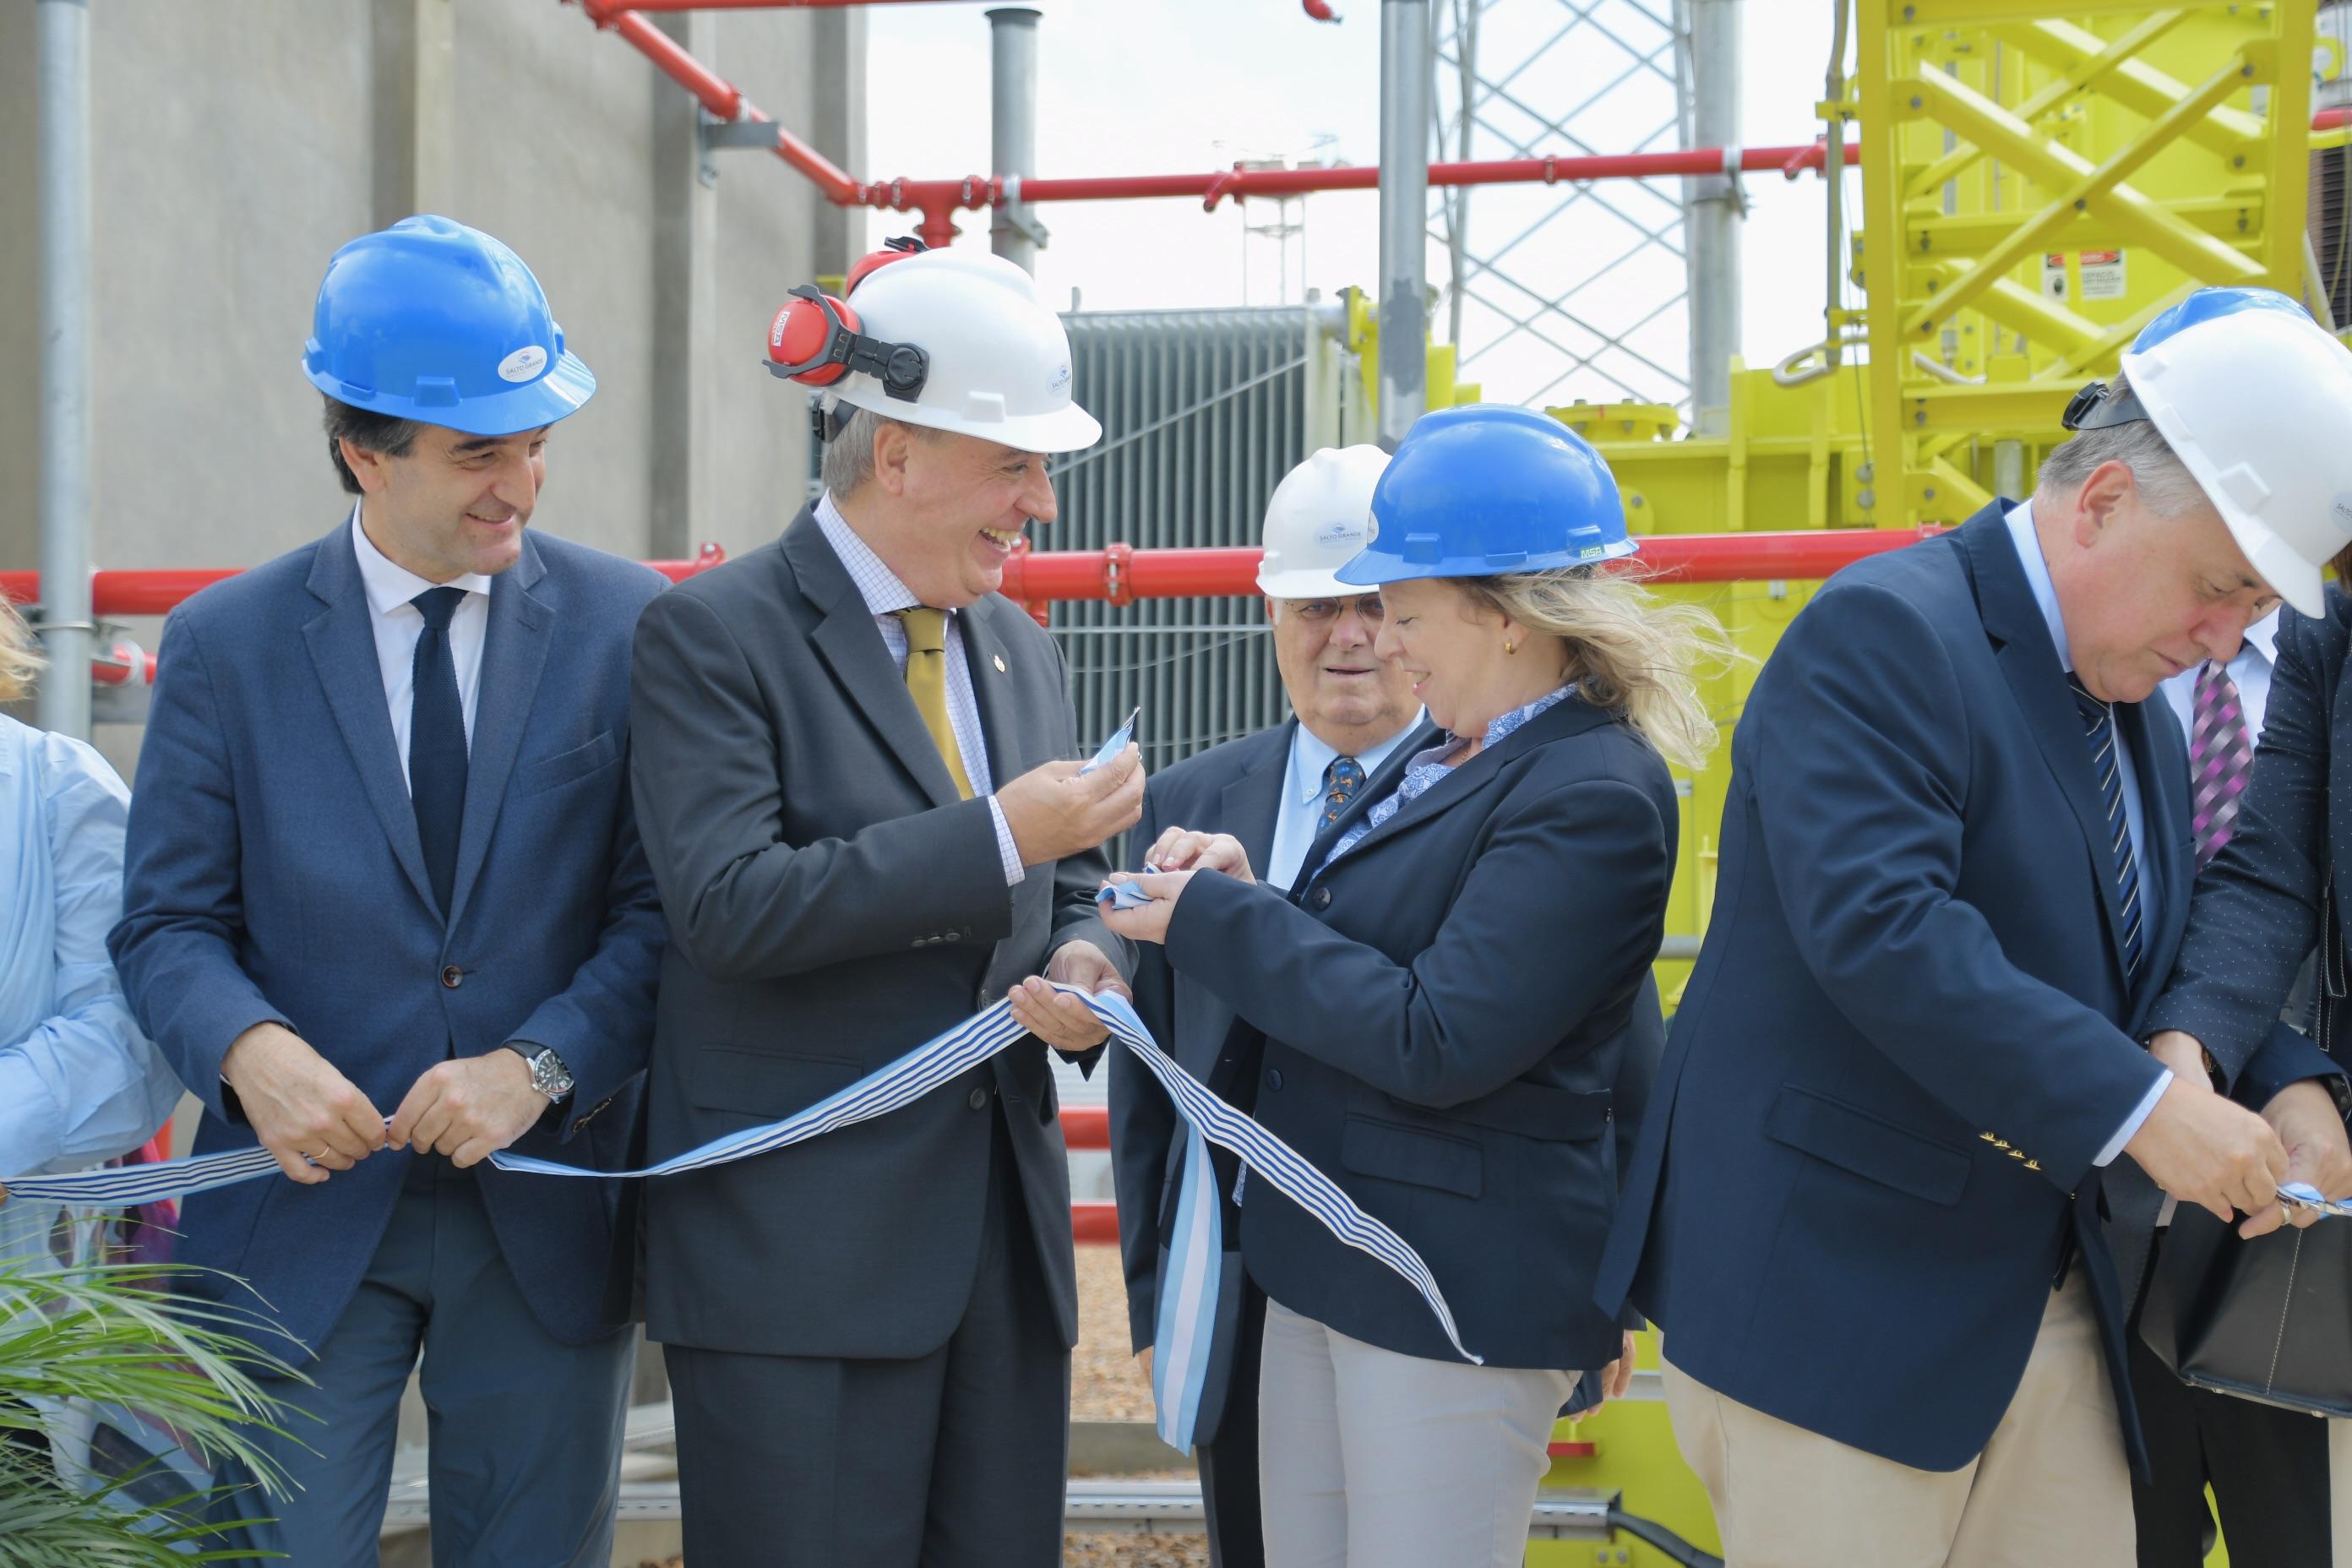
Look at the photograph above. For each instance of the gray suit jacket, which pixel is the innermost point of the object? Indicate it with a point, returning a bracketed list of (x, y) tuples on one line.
[(832, 905)]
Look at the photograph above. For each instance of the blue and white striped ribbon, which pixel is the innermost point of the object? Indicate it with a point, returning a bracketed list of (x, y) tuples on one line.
[(1188, 1300)]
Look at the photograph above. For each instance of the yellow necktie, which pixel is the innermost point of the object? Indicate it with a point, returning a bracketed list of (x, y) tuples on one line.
[(927, 683)]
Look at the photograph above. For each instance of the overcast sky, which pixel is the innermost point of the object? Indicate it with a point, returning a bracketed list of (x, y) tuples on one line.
[(1185, 85)]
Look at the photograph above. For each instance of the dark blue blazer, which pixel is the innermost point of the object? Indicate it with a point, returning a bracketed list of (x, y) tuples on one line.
[(2279, 886), (1909, 1032), (1446, 1011), (274, 873)]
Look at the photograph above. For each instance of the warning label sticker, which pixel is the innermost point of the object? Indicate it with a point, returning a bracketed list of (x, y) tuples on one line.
[(2103, 275), (2053, 276)]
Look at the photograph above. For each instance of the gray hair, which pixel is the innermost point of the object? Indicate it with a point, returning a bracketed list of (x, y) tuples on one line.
[(847, 460), (2166, 486)]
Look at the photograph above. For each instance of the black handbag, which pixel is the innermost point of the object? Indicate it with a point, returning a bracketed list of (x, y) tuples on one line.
[(2269, 1319)]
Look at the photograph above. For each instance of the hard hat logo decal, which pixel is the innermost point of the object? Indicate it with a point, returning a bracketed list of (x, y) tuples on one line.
[(1337, 533), (523, 364), (2343, 510), (1059, 381)]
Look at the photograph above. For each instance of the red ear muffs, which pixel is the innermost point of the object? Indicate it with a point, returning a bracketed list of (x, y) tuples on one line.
[(896, 249), (815, 340)]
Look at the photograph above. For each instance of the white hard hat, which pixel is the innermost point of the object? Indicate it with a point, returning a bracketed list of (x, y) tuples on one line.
[(2256, 398), (998, 360), (1317, 519)]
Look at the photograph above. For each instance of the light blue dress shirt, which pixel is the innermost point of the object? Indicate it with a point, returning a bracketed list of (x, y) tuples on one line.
[(79, 1083), (1301, 817), (2151, 888)]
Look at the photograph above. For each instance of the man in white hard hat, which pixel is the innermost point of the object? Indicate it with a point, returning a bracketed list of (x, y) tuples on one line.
[(1905, 1088), (858, 797), (1273, 791)]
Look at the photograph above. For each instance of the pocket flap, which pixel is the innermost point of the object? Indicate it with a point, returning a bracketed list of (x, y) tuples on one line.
[(1408, 1154), (1866, 1145), (764, 1085), (552, 772)]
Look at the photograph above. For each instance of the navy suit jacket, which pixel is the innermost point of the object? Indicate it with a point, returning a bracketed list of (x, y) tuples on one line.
[(2266, 899), (274, 874), (1909, 1032), (1446, 1011)]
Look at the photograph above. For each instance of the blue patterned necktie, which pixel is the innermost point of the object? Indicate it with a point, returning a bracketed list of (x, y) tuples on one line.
[(2099, 734), (1341, 780), (436, 741)]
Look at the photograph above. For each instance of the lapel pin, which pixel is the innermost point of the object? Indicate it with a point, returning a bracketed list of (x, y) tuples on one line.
[(1000, 664)]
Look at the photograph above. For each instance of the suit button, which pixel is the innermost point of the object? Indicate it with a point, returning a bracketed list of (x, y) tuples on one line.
[(977, 1099), (953, 936), (453, 977), (1321, 898), (1274, 1078)]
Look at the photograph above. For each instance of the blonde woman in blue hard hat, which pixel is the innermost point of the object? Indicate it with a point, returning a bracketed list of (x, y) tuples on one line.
[(1445, 998)]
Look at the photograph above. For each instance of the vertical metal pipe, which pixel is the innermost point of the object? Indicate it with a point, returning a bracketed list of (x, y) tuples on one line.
[(1404, 214), (1834, 176), (63, 27), (1013, 231), (1712, 209), (2008, 469)]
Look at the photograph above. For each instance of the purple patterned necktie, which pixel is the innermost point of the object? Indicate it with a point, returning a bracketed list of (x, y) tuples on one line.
[(2221, 759)]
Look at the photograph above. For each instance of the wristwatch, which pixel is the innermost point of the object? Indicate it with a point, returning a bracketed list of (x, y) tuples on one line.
[(547, 1073)]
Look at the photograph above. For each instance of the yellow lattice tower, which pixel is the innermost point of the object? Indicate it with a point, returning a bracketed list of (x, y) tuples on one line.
[(2039, 182)]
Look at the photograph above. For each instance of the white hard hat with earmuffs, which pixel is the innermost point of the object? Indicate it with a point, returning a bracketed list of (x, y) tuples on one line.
[(950, 340)]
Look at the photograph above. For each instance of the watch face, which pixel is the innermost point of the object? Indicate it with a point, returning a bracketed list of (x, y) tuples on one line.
[(549, 1074)]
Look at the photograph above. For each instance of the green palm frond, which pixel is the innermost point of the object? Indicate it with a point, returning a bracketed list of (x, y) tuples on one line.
[(116, 1334)]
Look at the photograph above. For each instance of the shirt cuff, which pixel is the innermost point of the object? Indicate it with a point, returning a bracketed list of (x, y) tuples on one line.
[(2131, 1126), (1006, 850)]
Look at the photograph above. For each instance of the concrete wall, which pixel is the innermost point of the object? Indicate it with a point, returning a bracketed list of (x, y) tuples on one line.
[(237, 147)]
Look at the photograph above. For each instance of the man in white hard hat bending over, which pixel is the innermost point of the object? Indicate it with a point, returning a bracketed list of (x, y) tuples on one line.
[(860, 805), (1272, 792), (1907, 1083)]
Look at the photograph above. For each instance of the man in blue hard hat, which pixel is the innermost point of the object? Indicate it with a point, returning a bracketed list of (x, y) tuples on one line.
[(387, 912)]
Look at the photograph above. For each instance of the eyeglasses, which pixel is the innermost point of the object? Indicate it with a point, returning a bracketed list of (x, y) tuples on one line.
[(1323, 612)]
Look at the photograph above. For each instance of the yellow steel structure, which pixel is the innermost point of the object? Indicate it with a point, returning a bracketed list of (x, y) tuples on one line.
[(2036, 187)]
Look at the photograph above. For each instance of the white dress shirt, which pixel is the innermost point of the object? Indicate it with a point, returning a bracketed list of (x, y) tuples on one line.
[(1301, 817), (2045, 595), (399, 623), (884, 595), (2249, 672)]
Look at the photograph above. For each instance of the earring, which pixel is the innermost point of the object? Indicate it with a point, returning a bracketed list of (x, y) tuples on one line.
[(1509, 646)]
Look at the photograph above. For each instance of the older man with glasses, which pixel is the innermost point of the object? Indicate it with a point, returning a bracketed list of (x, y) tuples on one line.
[(1274, 791)]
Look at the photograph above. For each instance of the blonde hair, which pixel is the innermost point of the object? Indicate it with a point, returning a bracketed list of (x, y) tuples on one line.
[(20, 660), (1627, 648)]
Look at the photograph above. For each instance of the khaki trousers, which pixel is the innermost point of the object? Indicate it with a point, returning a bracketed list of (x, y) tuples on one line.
[(2052, 1489), (1367, 1458), (2339, 1489)]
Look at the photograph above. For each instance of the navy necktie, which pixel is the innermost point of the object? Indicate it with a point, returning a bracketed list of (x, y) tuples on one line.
[(436, 741), (2099, 734), (1341, 780)]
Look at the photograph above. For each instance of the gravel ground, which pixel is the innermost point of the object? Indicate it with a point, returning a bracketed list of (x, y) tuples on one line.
[(1106, 1385), (1107, 1382)]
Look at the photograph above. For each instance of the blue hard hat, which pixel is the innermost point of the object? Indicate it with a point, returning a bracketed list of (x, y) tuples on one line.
[(2210, 304), (434, 321), (1487, 489)]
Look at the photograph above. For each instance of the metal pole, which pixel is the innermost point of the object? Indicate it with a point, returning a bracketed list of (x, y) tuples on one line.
[(1404, 215), (2008, 469), (1713, 206), (63, 29), (1013, 233)]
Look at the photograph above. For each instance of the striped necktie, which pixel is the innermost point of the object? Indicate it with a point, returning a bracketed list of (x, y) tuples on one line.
[(2099, 734), (2221, 759)]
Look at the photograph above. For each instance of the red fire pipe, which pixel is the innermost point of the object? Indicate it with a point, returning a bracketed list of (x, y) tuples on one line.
[(2330, 118), (1121, 574), (1320, 10), (746, 4), (159, 593)]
